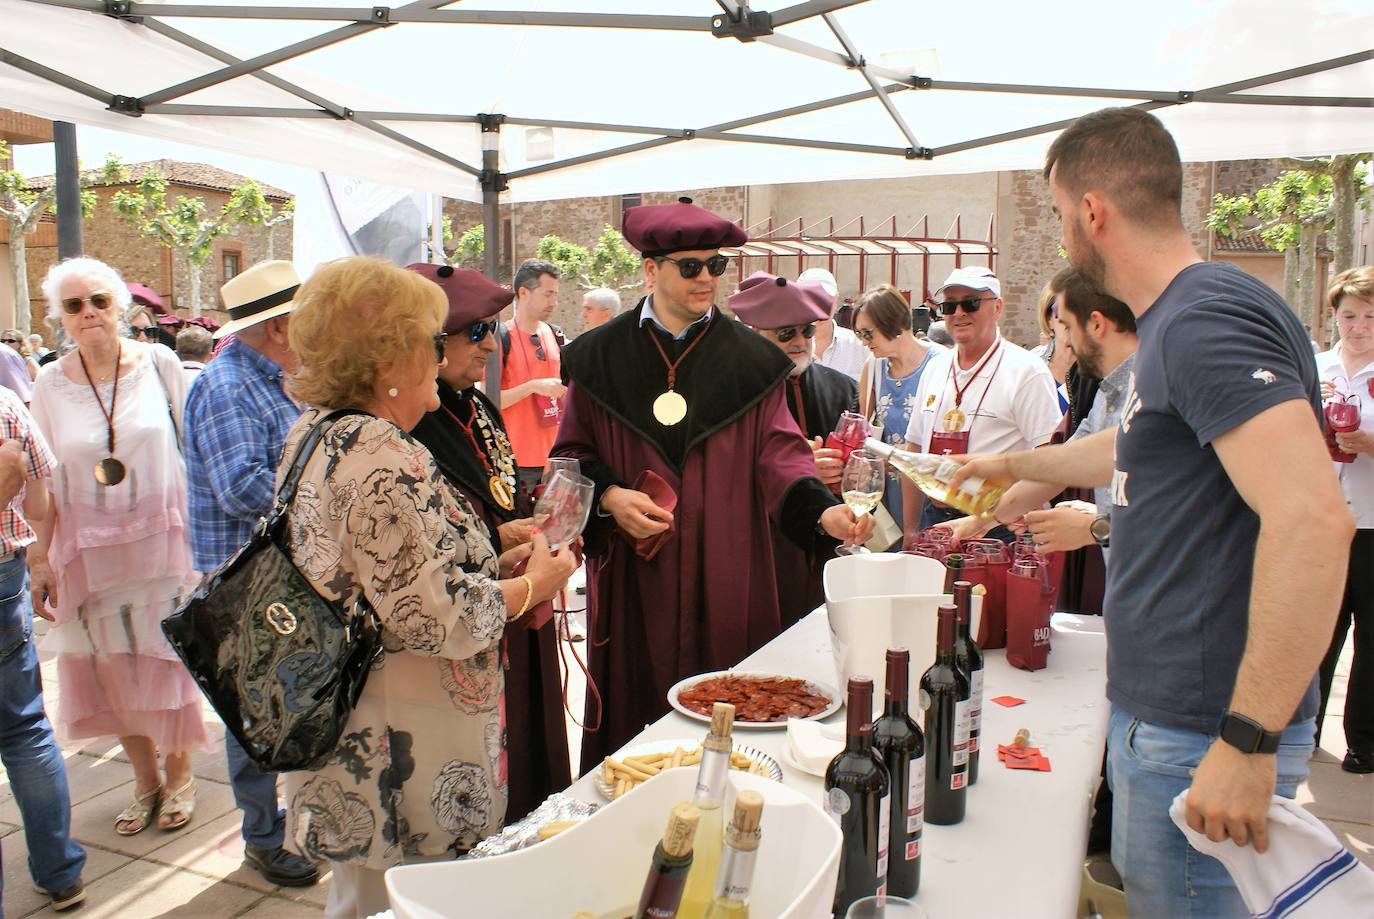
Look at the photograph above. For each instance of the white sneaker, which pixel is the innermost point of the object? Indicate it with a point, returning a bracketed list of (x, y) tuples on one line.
[(576, 630)]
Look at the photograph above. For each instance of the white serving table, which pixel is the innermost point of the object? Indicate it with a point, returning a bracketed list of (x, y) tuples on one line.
[(1020, 849)]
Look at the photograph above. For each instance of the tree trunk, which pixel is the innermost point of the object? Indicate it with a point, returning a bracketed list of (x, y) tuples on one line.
[(1309, 233), (19, 273), (193, 271), (1343, 202), (271, 242), (1290, 279)]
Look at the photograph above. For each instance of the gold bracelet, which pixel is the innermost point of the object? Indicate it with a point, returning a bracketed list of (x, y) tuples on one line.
[(529, 594)]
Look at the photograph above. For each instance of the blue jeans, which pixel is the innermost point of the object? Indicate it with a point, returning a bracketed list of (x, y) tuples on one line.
[(1147, 766), (30, 754), (255, 792)]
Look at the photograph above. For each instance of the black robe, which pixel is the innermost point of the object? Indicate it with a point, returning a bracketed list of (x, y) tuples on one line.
[(536, 733)]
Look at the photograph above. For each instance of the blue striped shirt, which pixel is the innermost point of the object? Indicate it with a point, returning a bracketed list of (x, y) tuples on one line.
[(237, 416)]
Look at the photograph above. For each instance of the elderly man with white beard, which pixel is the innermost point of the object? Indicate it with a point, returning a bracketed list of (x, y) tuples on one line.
[(787, 315)]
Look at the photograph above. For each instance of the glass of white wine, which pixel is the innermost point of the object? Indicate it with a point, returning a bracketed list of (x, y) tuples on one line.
[(861, 488)]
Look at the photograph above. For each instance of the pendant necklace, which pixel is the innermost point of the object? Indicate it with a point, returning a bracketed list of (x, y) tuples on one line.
[(108, 471), (670, 408), (954, 418), (501, 491)]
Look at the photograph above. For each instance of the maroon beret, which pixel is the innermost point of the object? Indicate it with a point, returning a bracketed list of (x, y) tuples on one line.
[(766, 301), (472, 296), (660, 229), (145, 295)]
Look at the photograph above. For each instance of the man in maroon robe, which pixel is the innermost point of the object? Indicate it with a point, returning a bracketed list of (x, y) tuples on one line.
[(674, 399), (787, 314)]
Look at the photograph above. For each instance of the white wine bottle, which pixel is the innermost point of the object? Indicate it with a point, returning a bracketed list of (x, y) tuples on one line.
[(709, 797), (736, 875), (975, 495)]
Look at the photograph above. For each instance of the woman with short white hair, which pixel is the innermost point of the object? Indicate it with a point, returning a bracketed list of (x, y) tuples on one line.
[(113, 558)]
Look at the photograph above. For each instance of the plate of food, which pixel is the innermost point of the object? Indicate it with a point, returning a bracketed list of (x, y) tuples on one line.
[(761, 700), (636, 765)]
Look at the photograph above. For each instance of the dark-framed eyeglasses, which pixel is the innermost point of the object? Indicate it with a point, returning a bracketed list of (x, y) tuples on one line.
[(9, 341), (863, 334), (970, 305), (539, 354), (101, 300), (790, 332), (147, 331), (480, 330), (440, 340), (691, 267)]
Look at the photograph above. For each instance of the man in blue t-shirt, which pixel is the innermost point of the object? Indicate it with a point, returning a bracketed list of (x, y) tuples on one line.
[(1230, 536)]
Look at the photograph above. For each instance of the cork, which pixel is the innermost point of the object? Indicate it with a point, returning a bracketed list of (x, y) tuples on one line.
[(682, 829), (1022, 738), (722, 722), (743, 833)]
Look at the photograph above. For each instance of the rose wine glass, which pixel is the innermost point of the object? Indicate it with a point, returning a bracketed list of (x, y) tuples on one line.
[(562, 510)]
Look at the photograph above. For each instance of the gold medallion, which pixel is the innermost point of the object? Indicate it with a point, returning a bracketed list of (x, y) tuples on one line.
[(501, 492), (109, 471), (954, 419), (670, 408)]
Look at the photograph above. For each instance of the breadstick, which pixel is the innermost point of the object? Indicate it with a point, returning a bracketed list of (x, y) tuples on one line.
[(678, 756), (621, 787), (628, 771), (636, 762)]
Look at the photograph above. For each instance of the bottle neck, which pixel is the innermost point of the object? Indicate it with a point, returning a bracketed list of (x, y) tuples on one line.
[(858, 735), (710, 790), (736, 875), (944, 645), (895, 691)]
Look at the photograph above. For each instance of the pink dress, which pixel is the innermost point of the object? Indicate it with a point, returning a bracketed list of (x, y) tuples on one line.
[(121, 556)]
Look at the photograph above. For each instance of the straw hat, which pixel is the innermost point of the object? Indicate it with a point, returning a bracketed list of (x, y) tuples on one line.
[(267, 289)]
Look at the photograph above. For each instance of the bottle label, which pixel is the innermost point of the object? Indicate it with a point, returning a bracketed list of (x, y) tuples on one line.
[(913, 850), (970, 486), (884, 828), (961, 729), (916, 797), (976, 710), (956, 781), (836, 803)]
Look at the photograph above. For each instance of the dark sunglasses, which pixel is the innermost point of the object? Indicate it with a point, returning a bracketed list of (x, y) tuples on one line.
[(146, 331), (970, 305), (480, 330), (539, 354), (789, 333), (100, 300), (691, 267), (9, 341), (864, 334), (440, 340)]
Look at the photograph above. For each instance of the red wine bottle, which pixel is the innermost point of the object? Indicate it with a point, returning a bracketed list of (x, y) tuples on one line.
[(671, 863), (857, 797), (903, 750), (969, 658), (943, 694)]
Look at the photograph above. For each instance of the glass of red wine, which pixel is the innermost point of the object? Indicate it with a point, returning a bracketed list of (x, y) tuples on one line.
[(562, 510)]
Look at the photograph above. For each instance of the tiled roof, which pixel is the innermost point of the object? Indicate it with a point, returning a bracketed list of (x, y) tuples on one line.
[(1248, 243), (194, 175)]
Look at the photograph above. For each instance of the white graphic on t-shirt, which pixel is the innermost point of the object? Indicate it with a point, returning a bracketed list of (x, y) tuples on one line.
[(1119, 488), (1264, 375)]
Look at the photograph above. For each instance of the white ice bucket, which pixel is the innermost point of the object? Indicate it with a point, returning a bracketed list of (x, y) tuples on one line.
[(884, 600), (601, 863)]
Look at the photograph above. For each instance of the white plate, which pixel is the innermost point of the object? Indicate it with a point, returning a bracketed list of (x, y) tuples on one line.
[(771, 768), (832, 708)]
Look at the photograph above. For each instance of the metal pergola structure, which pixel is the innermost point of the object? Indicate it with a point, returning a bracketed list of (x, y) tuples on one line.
[(735, 20)]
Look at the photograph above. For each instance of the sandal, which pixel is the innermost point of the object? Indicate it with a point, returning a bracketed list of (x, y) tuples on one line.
[(139, 812), (177, 807)]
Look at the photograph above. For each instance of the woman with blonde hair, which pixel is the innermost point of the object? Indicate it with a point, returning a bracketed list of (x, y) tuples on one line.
[(113, 558), (420, 772)]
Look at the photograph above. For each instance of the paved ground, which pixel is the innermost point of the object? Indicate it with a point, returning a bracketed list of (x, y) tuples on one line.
[(198, 871)]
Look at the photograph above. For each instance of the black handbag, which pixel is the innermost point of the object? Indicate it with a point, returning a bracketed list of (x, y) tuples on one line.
[(281, 665)]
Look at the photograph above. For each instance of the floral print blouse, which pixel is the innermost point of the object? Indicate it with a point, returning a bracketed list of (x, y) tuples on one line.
[(420, 768)]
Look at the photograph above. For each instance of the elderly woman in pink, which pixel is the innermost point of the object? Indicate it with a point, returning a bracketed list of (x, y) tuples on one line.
[(112, 558)]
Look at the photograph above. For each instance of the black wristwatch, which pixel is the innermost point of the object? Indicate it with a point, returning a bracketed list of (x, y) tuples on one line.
[(1101, 530), (1247, 735)]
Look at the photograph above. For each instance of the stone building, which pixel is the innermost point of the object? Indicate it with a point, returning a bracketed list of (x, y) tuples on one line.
[(110, 238), (17, 128)]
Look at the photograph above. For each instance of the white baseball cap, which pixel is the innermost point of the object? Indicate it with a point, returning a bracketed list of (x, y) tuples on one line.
[(974, 277), (822, 277)]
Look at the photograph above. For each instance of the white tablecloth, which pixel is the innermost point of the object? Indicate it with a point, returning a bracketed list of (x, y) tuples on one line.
[(1020, 849)]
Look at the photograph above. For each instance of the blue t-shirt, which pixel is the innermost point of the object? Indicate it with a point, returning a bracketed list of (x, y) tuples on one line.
[(1216, 349)]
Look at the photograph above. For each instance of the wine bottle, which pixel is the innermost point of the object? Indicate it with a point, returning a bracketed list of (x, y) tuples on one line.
[(736, 875), (902, 747), (931, 473), (857, 796), (954, 564), (944, 694), (969, 659), (709, 797), (672, 861)]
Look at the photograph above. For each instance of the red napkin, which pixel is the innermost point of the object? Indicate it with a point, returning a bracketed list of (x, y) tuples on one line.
[(1009, 701), (1014, 757), (662, 494)]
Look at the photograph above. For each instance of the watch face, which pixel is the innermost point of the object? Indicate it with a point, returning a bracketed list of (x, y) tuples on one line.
[(1101, 528)]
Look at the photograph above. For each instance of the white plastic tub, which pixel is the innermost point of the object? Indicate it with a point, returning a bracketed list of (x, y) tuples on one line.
[(601, 864)]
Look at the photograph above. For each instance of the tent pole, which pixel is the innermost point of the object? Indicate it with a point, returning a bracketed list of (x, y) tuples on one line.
[(68, 178), (492, 183)]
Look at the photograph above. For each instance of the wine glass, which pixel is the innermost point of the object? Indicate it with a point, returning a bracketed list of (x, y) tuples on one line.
[(885, 907), (861, 487), (554, 463), (562, 510)]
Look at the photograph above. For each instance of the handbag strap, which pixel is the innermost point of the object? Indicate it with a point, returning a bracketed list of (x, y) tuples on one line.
[(287, 492)]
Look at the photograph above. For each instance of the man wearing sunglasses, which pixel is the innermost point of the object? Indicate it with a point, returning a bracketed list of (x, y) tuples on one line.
[(674, 399), (789, 315), (531, 380), (986, 395), (236, 419)]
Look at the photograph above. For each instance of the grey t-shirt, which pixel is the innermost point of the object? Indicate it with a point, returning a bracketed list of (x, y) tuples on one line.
[(1216, 349)]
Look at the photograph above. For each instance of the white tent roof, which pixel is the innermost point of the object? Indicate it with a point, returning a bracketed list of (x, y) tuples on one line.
[(399, 103)]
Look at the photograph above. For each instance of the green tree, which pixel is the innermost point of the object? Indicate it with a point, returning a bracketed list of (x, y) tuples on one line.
[(184, 225), (22, 208), (612, 263), (467, 253), (572, 260), (1291, 213), (258, 211)]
